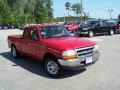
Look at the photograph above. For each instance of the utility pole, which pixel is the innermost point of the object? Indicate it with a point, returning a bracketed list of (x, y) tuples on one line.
[(110, 11), (81, 9)]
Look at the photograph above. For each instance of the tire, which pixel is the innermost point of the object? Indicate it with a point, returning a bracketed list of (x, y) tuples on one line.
[(14, 52), (90, 34), (111, 32), (52, 67)]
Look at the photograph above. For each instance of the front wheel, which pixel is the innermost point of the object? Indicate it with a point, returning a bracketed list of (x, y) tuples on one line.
[(111, 32), (90, 34), (52, 67)]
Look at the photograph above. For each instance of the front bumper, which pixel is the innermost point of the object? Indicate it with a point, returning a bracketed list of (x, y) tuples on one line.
[(78, 63), (83, 32), (118, 30)]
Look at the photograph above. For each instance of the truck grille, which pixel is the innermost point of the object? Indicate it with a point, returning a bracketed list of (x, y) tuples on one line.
[(85, 52)]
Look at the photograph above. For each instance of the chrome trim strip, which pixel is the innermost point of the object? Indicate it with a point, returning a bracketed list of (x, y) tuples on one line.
[(84, 48), (77, 62), (84, 52)]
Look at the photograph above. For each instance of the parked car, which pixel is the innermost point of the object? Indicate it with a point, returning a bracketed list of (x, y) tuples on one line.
[(72, 26), (21, 26), (115, 25), (0, 26), (54, 46), (5, 26), (96, 27), (118, 27)]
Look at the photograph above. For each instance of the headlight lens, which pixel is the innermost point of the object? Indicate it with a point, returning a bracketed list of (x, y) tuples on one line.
[(96, 49), (70, 54)]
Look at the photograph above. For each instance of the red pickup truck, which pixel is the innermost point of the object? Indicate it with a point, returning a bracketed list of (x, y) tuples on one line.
[(55, 47)]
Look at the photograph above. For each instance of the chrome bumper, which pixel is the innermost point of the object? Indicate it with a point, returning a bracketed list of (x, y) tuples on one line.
[(77, 63), (118, 30)]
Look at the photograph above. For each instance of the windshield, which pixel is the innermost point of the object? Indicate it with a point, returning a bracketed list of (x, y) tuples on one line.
[(53, 31), (94, 22)]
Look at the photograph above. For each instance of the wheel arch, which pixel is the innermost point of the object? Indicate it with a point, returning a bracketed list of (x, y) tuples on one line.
[(47, 55), (12, 44)]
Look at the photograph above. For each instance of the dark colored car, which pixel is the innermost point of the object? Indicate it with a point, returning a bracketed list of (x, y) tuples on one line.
[(21, 27), (0, 26), (96, 27), (8, 26), (118, 27), (4, 26)]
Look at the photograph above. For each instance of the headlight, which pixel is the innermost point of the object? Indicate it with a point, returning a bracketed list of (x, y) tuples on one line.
[(70, 54), (96, 49)]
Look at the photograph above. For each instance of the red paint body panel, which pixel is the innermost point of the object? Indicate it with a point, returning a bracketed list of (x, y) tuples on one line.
[(55, 46), (67, 43)]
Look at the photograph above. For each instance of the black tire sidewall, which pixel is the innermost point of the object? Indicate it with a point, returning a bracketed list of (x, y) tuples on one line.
[(111, 30), (15, 56), (89, 33), (55, 61)]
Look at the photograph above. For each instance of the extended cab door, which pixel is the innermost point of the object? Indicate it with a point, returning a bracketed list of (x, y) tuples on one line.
[(34, 43), (24, 42), (98, 28)]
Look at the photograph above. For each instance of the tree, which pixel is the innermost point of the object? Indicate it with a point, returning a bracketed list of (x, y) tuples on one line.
[(4, 13), (76, 8), (68, 7), (26, 11), (119, 17)]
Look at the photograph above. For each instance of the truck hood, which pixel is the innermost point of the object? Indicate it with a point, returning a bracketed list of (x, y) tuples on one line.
[(67, 43)]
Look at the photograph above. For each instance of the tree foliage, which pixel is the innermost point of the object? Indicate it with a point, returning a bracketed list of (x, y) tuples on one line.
[(68, 7), (26, 11), (76, 8)]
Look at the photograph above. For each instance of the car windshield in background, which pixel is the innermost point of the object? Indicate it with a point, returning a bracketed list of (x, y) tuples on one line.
[(84, 24), (94, 22), (112, 23), (53, 31)]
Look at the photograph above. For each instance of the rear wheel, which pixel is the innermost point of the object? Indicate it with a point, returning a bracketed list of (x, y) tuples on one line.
[(14, 52), (52, 67)]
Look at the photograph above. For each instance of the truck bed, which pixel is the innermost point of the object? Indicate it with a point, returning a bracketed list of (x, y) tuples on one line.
[(15, 36), (14, 39)]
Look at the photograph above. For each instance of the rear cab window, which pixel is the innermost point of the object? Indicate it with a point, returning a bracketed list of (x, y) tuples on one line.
[(25, 33)]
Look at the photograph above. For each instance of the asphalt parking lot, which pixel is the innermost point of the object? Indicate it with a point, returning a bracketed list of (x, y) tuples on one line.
[(28, 74)]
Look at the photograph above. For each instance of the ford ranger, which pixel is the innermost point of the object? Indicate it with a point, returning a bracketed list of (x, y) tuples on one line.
[(55, 47)]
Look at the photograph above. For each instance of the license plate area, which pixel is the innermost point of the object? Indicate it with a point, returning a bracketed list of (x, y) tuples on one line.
[(89, 60)]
